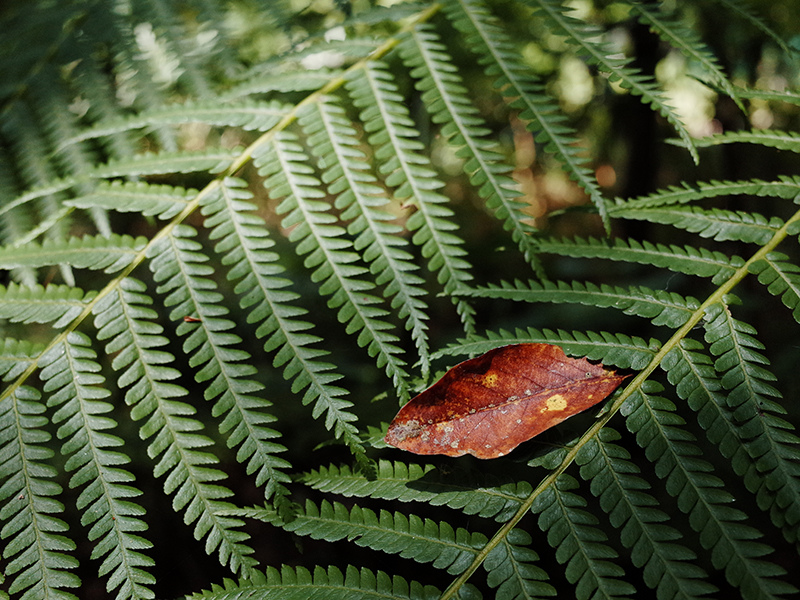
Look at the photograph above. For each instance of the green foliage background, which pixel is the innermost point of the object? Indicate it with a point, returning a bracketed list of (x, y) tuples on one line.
[(237, 236)]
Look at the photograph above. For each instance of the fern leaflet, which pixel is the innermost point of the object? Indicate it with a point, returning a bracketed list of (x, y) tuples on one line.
[(70, 373), (579, 543), (583, 37), (178, 267), (125, 319), (422, 540), (36, 549), (359, 198), (409, 172), (664, 308), (447, 100), (58, 304), (518, 86), (782, 278), (244, 244), (423, 483), (332, 138), (667, 565), (769, 438), (688, 477)]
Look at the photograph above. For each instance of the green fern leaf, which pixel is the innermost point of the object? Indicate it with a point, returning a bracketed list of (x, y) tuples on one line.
[(290, 583), (423, 483), (782, 140), (59, 303), (696, 380), (359, 197), (700, 495), (409, 172), (422, 540), (36, 551), (446, 98), (142, 164), (16, 356), (518, 85), (782, 187), (615, 481), (510, 569), (89, 252), (613, 349), (579, 543), (722, 225), (244, 245), (689, 260), (292, 81), (583, 37), (125, 319), (247, 115), (664, 308), (776, 480), (179, 268), (70, 375), (781, 277), (679, 36), (332, 138), (162, 201)]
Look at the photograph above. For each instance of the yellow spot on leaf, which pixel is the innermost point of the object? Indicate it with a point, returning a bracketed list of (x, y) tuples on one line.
[(490, 380), (557, 402)]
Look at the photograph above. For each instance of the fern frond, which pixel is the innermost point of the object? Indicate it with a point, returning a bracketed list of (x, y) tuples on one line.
[(16, 356), (38, 304), (667, 566), (298, 583), (162, 201), (89, 252), (579, 543), (663, 308), (721, 225), (244, 244), (70, 375), (293, 81), (150, 163), (409, 172), (612, 348), (447, 100), (509, 569), (329, 253), (125, 319), (776, 482), (178, 266), (696, 380), (359, 198), (701, 495), (249, 115), (782, 278), (37, 553), (687, 259), (676, 34), (790, 96), (782, 187), (423, 483), (422, 540), (520, 88), (782, 140), (332, 139), (583, 38)]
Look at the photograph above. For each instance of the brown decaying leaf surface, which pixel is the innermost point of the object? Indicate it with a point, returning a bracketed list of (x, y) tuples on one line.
[(488, 405)]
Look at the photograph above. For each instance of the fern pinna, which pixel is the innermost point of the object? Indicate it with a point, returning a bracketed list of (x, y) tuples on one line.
[(233, 241)]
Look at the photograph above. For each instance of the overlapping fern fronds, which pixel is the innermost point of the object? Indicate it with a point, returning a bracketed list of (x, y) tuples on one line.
[(219, 226)]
